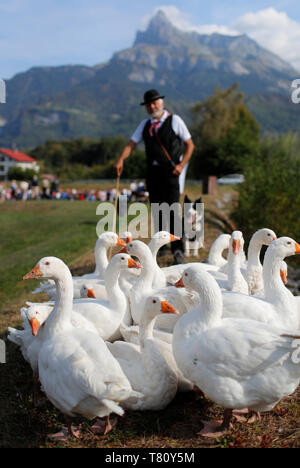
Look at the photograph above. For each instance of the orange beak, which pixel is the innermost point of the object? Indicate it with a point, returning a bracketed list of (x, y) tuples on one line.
[(236, 245), (166, 308), (128, 239), (283, 275), (34, 273), (124, 250), (35, 325), (274, 238), (91, 294), (121, 243), (297, 248), (179, 283), (174, 238), (133, 264)]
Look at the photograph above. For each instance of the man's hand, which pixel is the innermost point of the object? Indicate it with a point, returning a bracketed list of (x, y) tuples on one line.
[(178, 169), (125, 154), (119, 167)]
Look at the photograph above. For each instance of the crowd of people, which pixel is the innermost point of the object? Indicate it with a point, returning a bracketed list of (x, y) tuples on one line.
[(49, 190)]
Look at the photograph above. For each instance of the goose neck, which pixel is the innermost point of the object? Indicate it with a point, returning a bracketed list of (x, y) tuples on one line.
[(146, 329), (211, 307), (215, 254), (254, 252), (234, 262), (116, 297), (60, 317), (100, 258), (147, 272), (273, 284)]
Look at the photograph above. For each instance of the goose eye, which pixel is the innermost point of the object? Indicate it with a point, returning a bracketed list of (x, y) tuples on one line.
[(47, 263), (154, 301), (289, 243), (185, 274)]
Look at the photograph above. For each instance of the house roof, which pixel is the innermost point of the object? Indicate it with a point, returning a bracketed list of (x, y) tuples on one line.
[(17, 155)]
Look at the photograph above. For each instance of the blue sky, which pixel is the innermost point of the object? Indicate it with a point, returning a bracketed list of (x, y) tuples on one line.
[(59, 32)]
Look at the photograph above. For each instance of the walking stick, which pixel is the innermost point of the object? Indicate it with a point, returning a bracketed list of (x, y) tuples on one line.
[(115, 214)]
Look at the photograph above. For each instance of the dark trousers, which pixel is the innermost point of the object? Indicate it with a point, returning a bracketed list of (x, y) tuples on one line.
[(164, 188)]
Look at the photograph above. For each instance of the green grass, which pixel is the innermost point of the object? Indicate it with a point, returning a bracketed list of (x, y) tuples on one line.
[(32, 230)]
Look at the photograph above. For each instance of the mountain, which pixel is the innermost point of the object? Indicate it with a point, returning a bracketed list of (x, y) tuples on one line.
[(80, 101)]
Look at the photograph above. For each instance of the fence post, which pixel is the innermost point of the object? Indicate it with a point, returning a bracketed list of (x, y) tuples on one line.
[(209, 185)]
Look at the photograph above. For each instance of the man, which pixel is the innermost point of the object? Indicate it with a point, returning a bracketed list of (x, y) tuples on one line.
[(164, 136)]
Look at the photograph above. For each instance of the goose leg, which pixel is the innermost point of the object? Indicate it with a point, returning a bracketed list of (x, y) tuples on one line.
[(216, 428), (62, 436), (255, 416), (238, 414), (103, 427)]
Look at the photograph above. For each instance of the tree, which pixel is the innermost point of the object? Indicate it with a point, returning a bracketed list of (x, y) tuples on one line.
[(224, 131), (270, 195)]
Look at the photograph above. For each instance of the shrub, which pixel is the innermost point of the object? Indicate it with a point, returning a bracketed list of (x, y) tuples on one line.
[(270, 195), (17, 173)]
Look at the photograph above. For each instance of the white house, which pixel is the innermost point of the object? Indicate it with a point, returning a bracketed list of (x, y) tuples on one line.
[(12, 158)]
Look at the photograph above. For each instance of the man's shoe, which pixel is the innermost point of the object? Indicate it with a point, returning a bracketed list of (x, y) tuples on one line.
[(178, 257)]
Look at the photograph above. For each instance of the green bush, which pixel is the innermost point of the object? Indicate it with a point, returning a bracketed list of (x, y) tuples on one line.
[(17, 173), (270, 195)]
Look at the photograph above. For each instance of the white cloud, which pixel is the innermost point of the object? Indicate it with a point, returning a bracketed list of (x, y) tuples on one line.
[(275, 31)]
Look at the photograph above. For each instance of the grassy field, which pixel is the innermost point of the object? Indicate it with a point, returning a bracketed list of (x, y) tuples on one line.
[(32, 230)]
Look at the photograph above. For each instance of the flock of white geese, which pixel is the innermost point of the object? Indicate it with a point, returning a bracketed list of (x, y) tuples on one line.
[(132, 334)]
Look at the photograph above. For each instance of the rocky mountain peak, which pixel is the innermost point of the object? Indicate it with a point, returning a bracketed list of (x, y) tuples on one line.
[(159, 31)]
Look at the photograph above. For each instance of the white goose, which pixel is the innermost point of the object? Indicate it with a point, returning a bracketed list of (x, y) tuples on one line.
[(278, 307), (236, 281), (214, 265), (22, 338), (237, 363), (104, 242), (215, 256), (163, 341), (36, 315), (144, 365), (233, 280), (254, 272), (107, 316), (182, 300), (158, 240), (77, 372)]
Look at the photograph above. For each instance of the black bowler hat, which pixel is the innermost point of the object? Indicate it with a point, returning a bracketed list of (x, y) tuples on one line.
[(151, 95)]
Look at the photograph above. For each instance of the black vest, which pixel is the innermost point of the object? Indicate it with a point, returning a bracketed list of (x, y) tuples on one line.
[(169, 139)]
